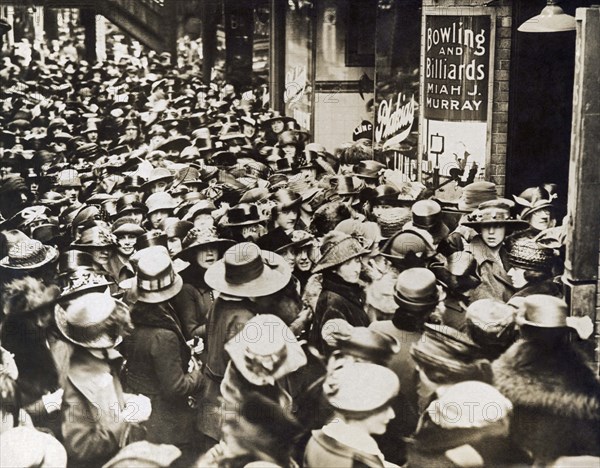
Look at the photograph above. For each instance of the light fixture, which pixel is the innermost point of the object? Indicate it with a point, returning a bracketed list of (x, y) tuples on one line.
[(551, 19)]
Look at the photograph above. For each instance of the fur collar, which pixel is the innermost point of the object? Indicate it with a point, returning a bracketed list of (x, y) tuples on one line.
[(554, 379)]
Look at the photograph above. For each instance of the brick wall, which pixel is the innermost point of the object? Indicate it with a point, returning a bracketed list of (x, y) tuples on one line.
[(496, 169)]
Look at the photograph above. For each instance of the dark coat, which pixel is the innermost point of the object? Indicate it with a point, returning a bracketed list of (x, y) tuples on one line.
[(435, 447), (492, 268), (157, 360), (556, 398), (42, 358), (190, 307), (93, 430), (194, 319), (225, 320), (338, 300)]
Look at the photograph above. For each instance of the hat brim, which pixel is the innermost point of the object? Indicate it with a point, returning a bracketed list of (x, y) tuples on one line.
[(318, 268), (51, 255), (269, 282), (72, 294), (225, 222), (223, 244), (154, 297), (102, 342), (136, 231), (511, 223), (402, 301), (147, 184)]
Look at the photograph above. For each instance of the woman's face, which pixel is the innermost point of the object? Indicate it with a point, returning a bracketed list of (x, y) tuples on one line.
[(541, 220), (377, 423), (350, 270), (92, 137), (493, 234), (204, 220), (159, 186), (174, 246), (303, 260), (517, 277), (157, 217), (277, 126), (289, 151), (289, 257), (126, 244), (100, 255), (286, 219), (206, 256)]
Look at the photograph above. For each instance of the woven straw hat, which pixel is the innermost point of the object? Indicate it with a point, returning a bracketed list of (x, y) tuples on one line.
[(247, 271), (338, 248), (85, 321), (26, 254), (526, 253)]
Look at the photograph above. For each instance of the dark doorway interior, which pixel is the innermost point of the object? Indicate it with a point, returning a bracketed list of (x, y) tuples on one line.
[(541, 103)]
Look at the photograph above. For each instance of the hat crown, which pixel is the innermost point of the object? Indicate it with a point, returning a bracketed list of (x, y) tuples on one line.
[(408, 241), (417, 285), (540, 310), (91, 309), (160, 201), (150, 239), (155, 270), (244, 262), (73, 260), (360, 387), (426, 213), (243, 212)]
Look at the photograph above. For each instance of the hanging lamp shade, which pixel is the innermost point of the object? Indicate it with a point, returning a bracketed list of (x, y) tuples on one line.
[(551, 19)]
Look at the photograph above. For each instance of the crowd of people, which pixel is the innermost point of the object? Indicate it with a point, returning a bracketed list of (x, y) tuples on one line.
[(187, 279)]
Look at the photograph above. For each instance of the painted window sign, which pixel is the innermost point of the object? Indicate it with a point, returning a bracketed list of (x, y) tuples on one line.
[(395, 119), (457, 67)]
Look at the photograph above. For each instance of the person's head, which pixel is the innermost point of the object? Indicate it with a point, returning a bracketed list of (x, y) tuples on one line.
[(160, 206), (206, 256), (530, 261), (492, 220), (303, 257), (126, 231), (360, 394), (350, 270), (341, 255), (202, 247), (98, 242), (542, 219), (287, 208), (157, 217)]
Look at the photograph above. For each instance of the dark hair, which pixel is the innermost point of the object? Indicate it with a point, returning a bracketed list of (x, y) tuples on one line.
[(533, 276)]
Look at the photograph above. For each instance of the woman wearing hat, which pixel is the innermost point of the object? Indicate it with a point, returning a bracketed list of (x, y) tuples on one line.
[(245, 272), (551, 383), (94, 410), (342, 297), (538, 207), (244, 223), (201, 248), (532, 267), (360, 394), (126, 231), (158, 355), (286, 211), (160, 206), (262, 355), (417, 296), (98, 242), (456, 430), (492, 220)]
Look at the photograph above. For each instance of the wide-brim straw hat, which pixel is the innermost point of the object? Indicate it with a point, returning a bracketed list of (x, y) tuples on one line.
[(26, 254), (90, 282), (82, 322), (247, 271), (339, 248)]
